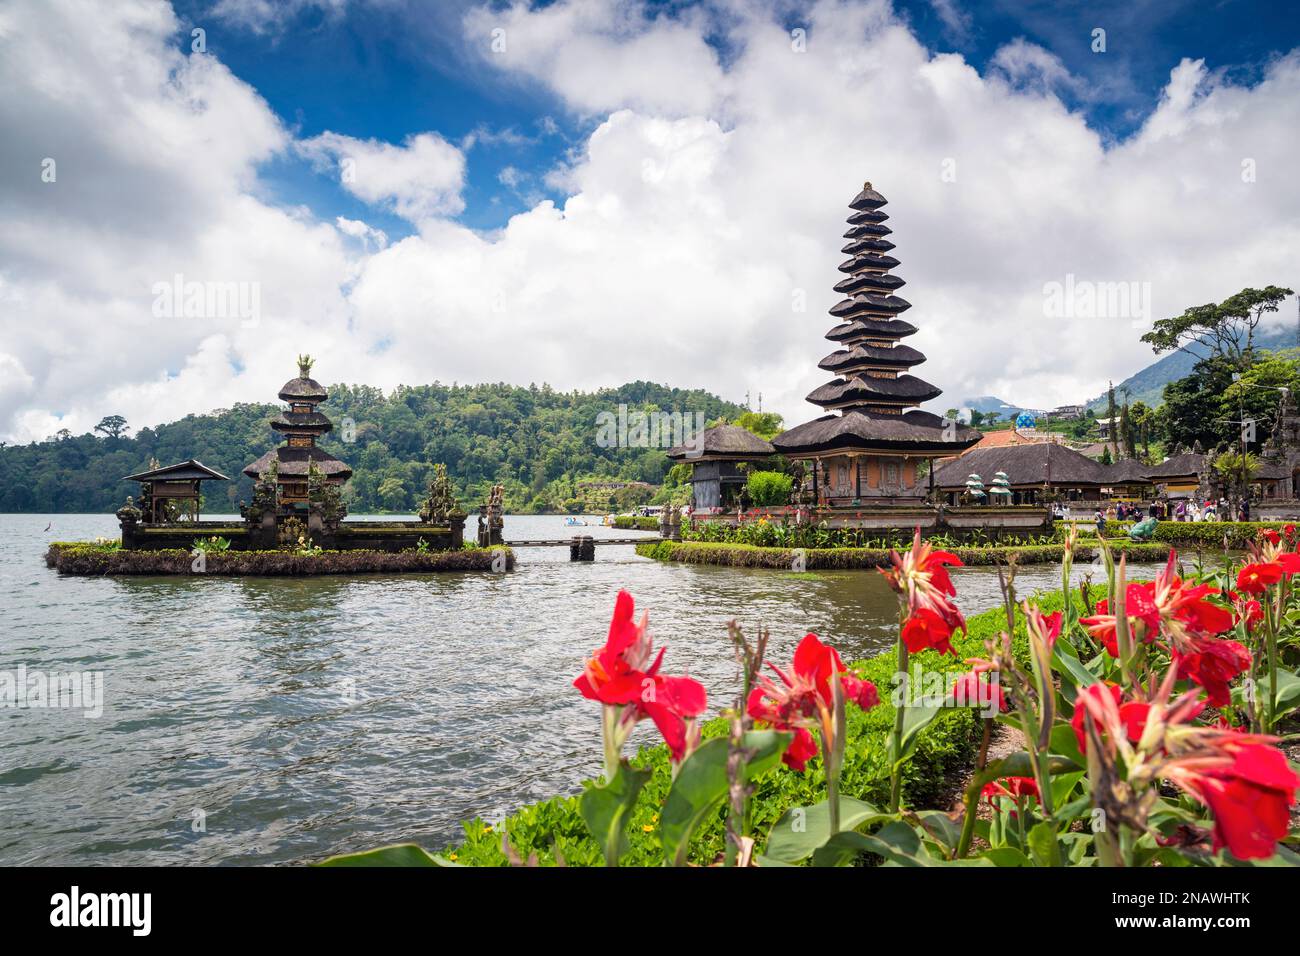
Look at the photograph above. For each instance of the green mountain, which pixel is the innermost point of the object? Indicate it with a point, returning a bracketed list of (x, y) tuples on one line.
[(1148, 385), (538, 442)]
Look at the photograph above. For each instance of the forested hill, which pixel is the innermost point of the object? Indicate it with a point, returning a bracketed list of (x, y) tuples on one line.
[(538, 442)]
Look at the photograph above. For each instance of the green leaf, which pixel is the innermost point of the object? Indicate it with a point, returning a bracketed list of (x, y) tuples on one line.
[(702, 784), (801, 830), (1042, 840), (607, 806), (915, 719), (1006, 856), (1288, 692), (403, 854), (895, 841)]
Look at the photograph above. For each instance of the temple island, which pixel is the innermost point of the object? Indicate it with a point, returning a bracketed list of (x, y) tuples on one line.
[(297, 514), (876, 461), (870, 461)]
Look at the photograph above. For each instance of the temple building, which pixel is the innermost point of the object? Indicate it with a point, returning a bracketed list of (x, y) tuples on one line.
[(871, 445), (301, 424), (719, 459), (174, 492)]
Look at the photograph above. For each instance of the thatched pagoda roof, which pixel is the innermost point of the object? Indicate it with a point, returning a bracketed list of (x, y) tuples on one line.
[(302, 389), (868, 199), (871, 328), (907, 389), (313, 422), (915, 431), (863, 230), (881, 282), (725, 442), (870, 303), (872, 356), (293, 463)]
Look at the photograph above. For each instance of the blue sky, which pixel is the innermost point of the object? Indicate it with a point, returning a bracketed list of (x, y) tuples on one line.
[(630, 192), (379, 73)]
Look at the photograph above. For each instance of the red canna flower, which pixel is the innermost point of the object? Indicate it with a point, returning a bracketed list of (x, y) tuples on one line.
[(624, 677), (1256, 578), (1289, 562), (921, 577), (927, 628), (1165, 606), (969, 690), (1248, 786), (805, 698), (1012, 787), (1269, 535), (1100, 704), (1213, 664)]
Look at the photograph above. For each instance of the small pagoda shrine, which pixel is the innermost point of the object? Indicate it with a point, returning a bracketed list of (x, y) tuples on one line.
[(870, 447), (299, 463)]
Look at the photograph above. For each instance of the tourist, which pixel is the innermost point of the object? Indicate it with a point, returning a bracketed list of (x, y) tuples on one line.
[(1180, 512), (1243, 513), (1101, 523)]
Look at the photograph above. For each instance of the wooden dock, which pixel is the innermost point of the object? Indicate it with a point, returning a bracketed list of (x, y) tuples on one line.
[(566, 542)]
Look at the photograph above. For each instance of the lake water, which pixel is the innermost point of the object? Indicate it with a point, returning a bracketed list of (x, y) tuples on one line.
[(299, 718)]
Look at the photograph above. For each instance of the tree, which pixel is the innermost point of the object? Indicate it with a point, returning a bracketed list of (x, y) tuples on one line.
[(1112, 424), (1226, 330), (1127, 432), (112, 426), (766, 425), (392, 493), (1192, 409)]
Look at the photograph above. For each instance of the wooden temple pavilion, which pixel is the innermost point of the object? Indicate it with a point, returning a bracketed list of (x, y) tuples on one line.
[(301, 424), (870, 446), (177, 486), (718, 475), (1181, 476)]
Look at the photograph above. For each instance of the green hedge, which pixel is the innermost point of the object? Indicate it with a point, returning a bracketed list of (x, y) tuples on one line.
[(751, 556), (636, 523), (1205, 534), (85, 558), (945, 748)]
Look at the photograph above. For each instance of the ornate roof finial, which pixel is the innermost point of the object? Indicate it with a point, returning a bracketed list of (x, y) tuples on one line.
[(305, 363), (866, 185)]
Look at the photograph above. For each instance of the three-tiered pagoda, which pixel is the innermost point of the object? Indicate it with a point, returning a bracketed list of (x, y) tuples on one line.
[(301, 425), (871, 445)]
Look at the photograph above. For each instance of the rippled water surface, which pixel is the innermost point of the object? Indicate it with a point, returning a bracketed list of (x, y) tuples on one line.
[(306, 717)]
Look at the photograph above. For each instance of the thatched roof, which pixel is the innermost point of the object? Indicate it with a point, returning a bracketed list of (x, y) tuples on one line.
[(867, 215), (1128, 471), (293, 463), (303, 390), (1025, 465), (874, 327), (313, 422), (865, 388), (899, 355), (865, 229), (869, 303), (1273, 471), (866, 244), (868, 199), (1185, 465), (869, 282), (724, 442), (867, 261), (865, 431), (189, 470)]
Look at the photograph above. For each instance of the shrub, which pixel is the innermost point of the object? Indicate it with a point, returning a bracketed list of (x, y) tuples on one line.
[(768, 488)]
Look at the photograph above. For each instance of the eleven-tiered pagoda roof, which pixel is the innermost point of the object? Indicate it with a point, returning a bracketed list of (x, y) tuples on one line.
[(872, 401)]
